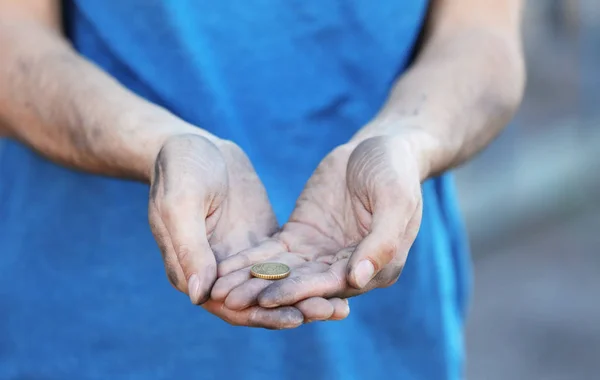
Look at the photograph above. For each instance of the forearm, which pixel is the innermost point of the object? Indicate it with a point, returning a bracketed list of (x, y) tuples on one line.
[(458, 95), (73, 113)]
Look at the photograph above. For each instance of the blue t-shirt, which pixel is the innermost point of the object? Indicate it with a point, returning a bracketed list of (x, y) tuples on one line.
[(83, 293)]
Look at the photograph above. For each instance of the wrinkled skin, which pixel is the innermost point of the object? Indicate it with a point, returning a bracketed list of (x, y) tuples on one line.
[(362, 205), (206, 204)]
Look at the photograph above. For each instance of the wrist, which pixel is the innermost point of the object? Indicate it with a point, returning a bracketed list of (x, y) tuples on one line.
[(154, 130), (418, 143)]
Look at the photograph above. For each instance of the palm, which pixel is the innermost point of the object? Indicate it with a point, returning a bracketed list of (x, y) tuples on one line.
[(244, 217), (333, 215), (323, 221)]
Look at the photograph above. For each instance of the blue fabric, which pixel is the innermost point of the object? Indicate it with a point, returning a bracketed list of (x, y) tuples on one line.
[(83, 293)]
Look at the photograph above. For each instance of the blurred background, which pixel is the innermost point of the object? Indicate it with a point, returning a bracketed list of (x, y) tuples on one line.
[(532, 206)]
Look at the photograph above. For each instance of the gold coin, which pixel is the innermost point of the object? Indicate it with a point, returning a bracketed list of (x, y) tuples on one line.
[(270, 271)]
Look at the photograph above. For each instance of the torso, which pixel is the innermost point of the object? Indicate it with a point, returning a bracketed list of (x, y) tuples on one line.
[(83, 291)]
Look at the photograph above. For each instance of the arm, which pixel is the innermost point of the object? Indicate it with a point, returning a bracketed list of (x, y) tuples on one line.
[(203, 190), (361, 210), (464, 86), (66, 108)]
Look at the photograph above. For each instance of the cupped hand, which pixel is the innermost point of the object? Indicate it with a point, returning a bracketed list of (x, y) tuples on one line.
[(350, 232), (206, 204)]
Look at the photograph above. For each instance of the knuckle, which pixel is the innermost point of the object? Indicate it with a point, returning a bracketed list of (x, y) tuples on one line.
[(183, 253), (222, 313), (387, 251)]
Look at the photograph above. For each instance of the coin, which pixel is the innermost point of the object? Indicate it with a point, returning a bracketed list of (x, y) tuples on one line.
[(270, 271)]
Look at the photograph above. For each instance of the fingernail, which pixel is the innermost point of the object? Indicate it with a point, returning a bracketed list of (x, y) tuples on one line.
[(194, 288), (363, 273)]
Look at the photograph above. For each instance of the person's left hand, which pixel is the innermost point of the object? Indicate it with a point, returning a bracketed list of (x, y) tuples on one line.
[(350, 232)]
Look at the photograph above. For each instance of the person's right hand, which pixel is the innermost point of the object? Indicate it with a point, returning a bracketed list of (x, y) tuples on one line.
[(206, 204)]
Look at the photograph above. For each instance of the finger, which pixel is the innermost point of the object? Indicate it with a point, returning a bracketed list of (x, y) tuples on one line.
[(341, 309), (161, 235), (315, 309), (228, 282), (388, 238), (224, 285), (190, 183), (251, 256), (277, 319), (246, 294), (331, 283), (185, 221)]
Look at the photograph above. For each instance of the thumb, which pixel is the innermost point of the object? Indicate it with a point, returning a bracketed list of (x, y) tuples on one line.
[(187, 228), (190, 182), (392, 231)]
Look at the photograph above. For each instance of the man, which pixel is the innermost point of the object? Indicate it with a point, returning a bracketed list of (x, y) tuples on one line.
[(190, 98)]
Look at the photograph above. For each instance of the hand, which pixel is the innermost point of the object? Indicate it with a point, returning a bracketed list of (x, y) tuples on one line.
[(207, 203), (350, 231)]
